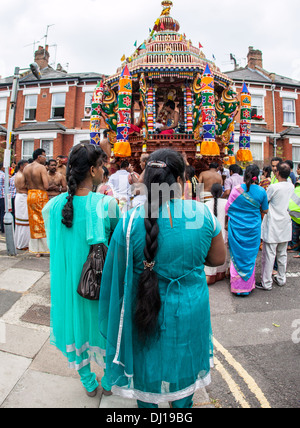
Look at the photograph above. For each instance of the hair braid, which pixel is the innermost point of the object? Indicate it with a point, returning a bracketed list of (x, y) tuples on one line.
[(67, 211), (148, 296), (81, 158)]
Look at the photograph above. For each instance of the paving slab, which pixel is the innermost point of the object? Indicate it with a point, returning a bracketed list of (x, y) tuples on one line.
[(12, 367), (15, 344), (51, 360), (7, 300), (14, 315), (2, 246), (32, 263), (201, 398), (19, 280), (43, 390), (7, 262), (42, 287)]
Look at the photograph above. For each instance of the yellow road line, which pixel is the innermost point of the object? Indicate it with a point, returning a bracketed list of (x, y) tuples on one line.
[(252, 385), (234, 388)]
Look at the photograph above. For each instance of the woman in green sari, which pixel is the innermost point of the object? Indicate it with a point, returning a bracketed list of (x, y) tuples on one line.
[(74, 221), (154, 302)]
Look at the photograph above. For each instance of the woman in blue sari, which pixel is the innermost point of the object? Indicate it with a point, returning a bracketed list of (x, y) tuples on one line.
[(245, 208), (154, 301)]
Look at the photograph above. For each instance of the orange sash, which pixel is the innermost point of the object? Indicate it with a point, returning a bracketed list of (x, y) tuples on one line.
[(36, 201)]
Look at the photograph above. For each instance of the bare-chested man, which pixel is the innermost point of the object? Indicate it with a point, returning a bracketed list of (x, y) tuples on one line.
[(20, 178), (22, 231), (61, 167), (37, 182), (57, 181), (208, 178), (105, 145)]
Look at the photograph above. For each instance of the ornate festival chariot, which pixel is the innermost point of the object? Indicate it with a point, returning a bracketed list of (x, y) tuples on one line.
[(165, 67)]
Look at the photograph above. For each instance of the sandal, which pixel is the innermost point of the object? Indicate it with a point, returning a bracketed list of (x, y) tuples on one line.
[(107, 393), (92, 393)]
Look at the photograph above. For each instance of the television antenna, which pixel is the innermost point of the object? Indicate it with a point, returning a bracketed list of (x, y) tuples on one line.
[(46, 35), (32, 44)]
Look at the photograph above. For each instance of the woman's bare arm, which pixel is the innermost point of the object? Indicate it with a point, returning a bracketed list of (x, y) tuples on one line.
[(217, 253)]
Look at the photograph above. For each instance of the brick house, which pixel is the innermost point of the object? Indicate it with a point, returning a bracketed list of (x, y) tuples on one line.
[(275, 111), (52, 113)]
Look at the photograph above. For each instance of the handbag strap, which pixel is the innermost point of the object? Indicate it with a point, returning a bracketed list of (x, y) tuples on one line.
[(128, 233)]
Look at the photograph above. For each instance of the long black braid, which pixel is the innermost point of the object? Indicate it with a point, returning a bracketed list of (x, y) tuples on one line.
[(216, 191), (81, 158), (148, 297)]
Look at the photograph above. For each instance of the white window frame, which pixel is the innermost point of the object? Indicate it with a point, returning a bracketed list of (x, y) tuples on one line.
[(3, 110), (26, 108), (262, 108), (295, 142), (26, 157), (87, 105), (49, 154), (292, 100), (57, 106)]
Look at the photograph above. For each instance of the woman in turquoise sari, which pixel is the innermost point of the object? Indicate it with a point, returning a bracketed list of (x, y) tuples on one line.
[(246, 205), (154, 301), (74, 221)]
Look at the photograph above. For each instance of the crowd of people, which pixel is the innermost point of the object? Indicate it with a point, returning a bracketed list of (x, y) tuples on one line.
[(262, 211), (164, 249), (32, 183)]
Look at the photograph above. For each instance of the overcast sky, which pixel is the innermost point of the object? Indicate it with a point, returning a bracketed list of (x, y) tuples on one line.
[(93, 35)]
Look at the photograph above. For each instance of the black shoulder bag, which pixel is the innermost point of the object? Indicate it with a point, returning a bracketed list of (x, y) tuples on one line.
[(90, 280)]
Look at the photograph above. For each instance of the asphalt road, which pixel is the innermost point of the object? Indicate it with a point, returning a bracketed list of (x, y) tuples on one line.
[(257, 345)]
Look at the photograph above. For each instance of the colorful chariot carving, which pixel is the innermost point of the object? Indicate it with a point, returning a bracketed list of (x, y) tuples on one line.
[(167, 66)]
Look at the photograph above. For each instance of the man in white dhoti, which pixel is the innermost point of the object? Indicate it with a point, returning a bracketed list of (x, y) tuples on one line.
[(276, 229), (22, 230)]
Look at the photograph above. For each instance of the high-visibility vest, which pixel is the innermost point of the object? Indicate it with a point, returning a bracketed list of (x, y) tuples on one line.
[(294, 205), (274, 180)]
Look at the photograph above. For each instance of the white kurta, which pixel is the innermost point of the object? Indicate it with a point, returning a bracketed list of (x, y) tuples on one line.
[(277, 224)]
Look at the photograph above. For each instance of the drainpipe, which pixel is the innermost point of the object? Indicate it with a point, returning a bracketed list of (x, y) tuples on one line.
[(274, 119)]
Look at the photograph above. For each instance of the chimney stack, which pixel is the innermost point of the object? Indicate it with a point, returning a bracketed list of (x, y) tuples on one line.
[(41, 57), (254, 58)]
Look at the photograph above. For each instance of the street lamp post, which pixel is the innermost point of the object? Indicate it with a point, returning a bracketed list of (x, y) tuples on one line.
[(8, 218)]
